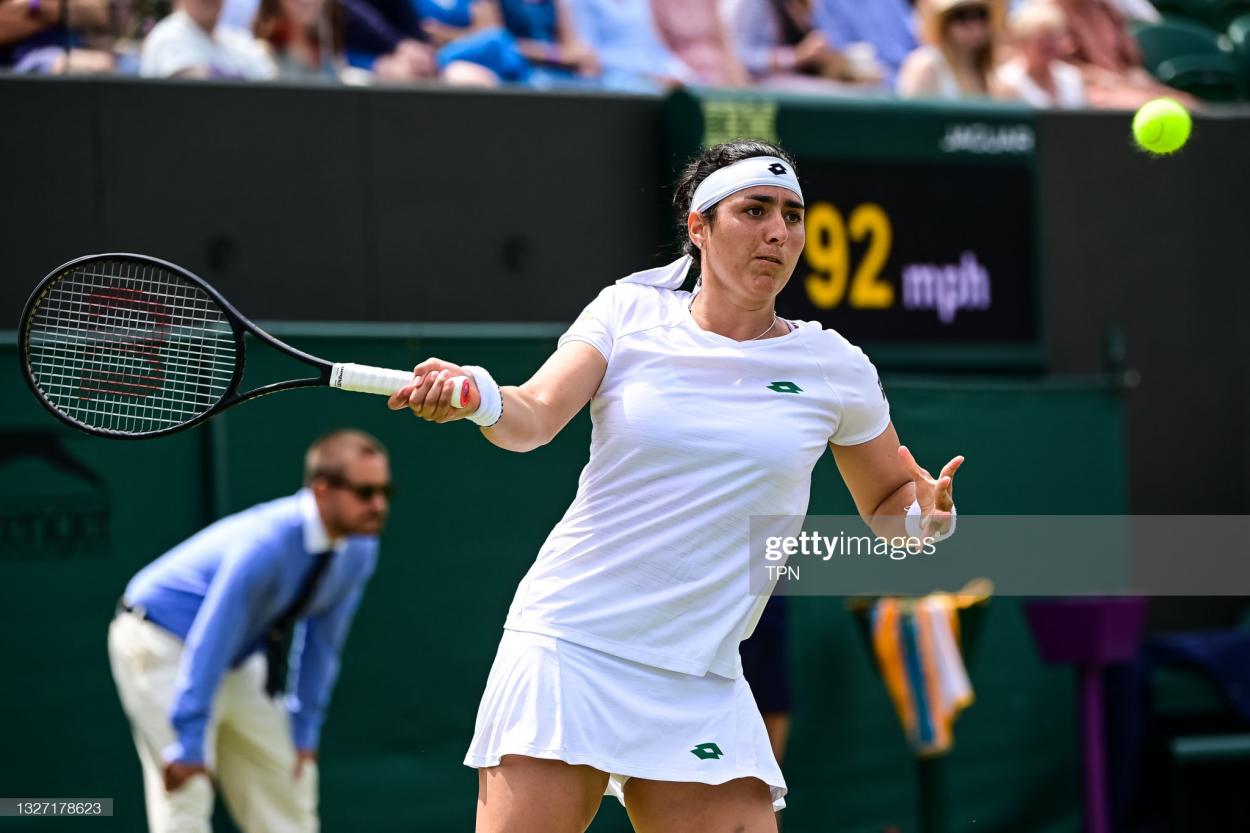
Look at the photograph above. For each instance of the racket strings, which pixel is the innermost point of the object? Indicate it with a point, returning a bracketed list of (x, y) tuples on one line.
[(130, 347)]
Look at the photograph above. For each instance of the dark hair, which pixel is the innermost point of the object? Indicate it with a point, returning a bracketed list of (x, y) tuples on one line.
[(273, 26), (701, 167)]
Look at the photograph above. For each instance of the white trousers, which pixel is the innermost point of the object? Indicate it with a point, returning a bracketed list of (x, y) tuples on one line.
[(248, 743)]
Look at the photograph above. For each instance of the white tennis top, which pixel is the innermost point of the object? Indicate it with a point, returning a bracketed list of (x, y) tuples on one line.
[(693, 433)]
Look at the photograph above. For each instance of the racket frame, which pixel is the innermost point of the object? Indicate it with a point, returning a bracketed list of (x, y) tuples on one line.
[(239, 323)]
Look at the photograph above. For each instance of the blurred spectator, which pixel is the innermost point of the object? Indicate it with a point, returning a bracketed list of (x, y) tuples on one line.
[(777, 43), (1101, 46), (957, 59), (188, 44), (293, 31), (475, 21), (693, 30), (547, 37), (624, 37), (33, 38), (1035, 74), (1139, 10), (885, 27), (537, 46), (386, 37), (443, 21), (239, 14), (1132, 9)]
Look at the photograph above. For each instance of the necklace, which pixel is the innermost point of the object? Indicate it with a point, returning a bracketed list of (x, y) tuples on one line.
[(771, 324)]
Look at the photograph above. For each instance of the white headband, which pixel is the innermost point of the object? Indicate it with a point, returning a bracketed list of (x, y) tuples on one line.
[(749, 173)]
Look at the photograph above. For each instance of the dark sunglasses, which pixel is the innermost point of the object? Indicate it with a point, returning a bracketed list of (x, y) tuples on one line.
[(364, 491), (969, 14)]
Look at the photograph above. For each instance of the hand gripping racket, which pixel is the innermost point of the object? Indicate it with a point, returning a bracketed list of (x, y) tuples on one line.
[(129, 346)]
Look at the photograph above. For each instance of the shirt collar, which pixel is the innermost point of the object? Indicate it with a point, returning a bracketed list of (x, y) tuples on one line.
[(316, 539)]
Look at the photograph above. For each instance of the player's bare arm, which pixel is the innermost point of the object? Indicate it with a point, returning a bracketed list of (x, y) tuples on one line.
[(884, 479), (533, 413)]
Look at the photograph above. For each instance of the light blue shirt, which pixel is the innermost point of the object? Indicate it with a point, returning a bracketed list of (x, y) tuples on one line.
[(624, 36), (223, 588), (889, 25)]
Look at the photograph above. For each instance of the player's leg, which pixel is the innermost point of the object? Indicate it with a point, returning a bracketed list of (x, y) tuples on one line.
[(144, 660), (537, 795), (256, 758), (744, 805)]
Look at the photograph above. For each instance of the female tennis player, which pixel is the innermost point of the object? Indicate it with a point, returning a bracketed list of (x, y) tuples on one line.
[(618, 670)]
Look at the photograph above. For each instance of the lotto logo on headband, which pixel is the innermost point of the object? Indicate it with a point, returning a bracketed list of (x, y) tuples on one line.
[(756, 170)]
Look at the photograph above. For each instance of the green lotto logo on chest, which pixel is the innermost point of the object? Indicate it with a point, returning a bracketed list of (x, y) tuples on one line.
[(785, 387), (706, 750)]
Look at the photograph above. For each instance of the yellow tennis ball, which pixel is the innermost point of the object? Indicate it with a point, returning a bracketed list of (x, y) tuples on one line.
[(1162, 126)]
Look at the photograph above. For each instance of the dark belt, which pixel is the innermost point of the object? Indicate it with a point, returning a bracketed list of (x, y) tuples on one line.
[(135, 610)]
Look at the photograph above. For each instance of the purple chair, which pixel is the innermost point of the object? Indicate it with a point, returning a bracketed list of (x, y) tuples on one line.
[(1090, 633)]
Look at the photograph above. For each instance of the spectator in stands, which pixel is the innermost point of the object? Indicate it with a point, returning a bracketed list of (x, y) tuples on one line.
[(776, 41), (292, 29), (1132, 9), (386, 37), (547, 37), (957, 59), (1139, 10), (1035, 74), (188, 44), (33, 38), (1101, 46), (693, 30), (883, 30), (444, 21), (528, 42), (625, 39), (239, 14), (473, 47)]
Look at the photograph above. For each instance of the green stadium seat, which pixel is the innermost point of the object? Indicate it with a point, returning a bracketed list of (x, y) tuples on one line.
[(1192, 57), (1215, 13), (1239, 34)]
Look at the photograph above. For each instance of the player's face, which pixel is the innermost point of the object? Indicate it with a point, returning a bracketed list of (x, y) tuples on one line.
[(345, 507), (755, 240)]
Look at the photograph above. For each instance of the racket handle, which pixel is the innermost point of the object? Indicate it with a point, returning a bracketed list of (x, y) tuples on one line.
[(362, 378)]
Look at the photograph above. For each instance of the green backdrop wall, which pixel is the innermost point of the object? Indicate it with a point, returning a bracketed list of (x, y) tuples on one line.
[(80, 515)]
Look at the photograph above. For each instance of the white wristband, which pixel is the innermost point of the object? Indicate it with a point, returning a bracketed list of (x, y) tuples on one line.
[(491, 408), (912, 524)]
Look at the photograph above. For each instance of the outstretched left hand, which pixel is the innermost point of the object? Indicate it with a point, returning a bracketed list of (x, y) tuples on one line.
[(935, 496)]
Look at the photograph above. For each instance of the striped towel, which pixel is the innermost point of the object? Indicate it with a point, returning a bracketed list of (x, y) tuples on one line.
[(917, 646)]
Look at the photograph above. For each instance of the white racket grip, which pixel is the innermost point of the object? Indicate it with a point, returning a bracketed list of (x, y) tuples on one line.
[(459, 391), (362, 378)]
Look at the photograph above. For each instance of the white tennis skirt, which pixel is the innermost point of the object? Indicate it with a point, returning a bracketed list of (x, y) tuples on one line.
[(550, 698)]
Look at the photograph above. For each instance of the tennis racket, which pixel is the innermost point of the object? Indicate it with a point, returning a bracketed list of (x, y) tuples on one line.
[(129, 346)]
